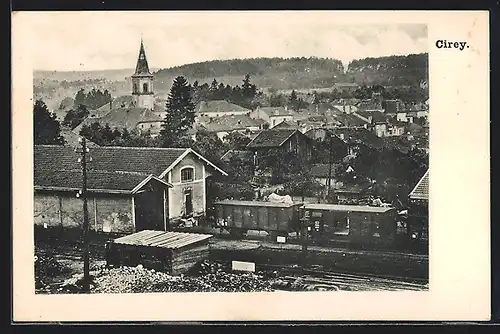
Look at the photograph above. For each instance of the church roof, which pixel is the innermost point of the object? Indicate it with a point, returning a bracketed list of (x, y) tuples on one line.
[(120, 118), (142, 68)]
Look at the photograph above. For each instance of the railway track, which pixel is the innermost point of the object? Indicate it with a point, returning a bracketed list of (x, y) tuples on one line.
[(316, 280), (340, 282)]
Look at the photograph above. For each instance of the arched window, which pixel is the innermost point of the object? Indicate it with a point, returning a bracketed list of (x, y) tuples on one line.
[(145, 87), (136, 88), (187, 174)]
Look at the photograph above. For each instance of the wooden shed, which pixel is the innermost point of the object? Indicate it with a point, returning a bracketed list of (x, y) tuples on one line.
[(171, 252)]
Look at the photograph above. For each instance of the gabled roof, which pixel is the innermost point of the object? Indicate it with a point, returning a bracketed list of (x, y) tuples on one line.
[(421, 190), (127, 118), (141, 160), (277, 111), (358, 136), (220, 106), (125, 100), (97, 181), (273, 138), (142, 68), (368, 105), (229, 123), (186, 152), (322, 108), (350, 120), (235, 153), (286, 125)]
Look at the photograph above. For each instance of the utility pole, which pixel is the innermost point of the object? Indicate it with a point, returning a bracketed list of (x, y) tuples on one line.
[(83, 193), (329, 181), (304, 231)]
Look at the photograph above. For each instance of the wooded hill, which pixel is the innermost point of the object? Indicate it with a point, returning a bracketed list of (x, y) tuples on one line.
[(390, 71), (303, 73)]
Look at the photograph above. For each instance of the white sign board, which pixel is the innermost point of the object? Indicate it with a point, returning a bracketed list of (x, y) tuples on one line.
[(281, 239), (243, 266)]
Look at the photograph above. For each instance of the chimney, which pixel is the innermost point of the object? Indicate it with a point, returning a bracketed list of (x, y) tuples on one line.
[(341, 136), (286, 108), (277, 112)]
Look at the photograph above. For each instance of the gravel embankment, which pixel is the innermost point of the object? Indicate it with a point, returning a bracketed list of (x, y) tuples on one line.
[(211, 278)]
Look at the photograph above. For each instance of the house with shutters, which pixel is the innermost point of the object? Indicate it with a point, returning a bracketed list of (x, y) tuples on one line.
[(129, 188)]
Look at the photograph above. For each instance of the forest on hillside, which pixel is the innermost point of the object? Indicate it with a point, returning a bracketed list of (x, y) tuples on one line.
[(280, 73), (304, 73), (390, 71)]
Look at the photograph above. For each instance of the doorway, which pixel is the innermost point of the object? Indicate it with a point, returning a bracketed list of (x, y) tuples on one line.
[(188, 202), (149, 210)]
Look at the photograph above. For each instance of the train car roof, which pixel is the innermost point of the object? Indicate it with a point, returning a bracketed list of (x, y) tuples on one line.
[(257, 203), (350, 208)]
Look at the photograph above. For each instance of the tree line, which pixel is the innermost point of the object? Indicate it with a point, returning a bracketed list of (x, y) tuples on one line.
[(241, 95), (253, 66), (414, 94), (94, 99)]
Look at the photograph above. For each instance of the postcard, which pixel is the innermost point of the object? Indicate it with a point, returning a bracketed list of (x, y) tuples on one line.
[(251, 166)]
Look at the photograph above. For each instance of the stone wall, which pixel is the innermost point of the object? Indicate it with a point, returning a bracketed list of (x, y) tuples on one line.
[(106, 213)]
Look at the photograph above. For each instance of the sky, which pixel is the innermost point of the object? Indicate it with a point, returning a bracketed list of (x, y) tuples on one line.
[(84, 41)]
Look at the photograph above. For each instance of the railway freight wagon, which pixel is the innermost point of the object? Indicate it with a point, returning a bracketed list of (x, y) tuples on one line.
[(355, 224), (240, 216)]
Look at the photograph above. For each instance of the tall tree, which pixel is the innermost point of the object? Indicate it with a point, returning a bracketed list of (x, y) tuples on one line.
[(214, 86), (180, 113), (293, 99), (209, 145), (80, 98), (248, 90), (47, 129)]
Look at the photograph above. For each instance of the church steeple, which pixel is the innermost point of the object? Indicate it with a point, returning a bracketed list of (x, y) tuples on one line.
[(142, 82), (142, 67)]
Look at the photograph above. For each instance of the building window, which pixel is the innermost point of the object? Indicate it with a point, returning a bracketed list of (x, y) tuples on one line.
[(187, 174), (145, 87), (136, 88)]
